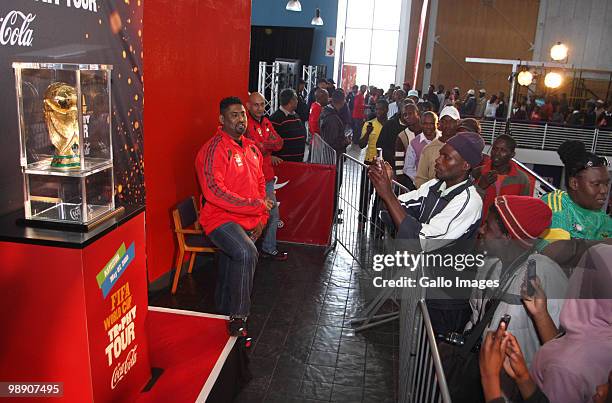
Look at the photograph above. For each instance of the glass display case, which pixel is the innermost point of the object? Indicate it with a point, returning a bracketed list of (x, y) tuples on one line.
[(66, 151)]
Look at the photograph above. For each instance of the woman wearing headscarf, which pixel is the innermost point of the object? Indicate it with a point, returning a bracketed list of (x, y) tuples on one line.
[(570, 367), (577, 213)]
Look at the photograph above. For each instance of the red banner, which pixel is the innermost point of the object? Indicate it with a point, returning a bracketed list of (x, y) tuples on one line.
[(305, 193)]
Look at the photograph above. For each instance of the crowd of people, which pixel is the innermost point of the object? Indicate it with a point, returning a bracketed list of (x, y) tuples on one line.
[(455, 193), (460, 194), (556, 109)]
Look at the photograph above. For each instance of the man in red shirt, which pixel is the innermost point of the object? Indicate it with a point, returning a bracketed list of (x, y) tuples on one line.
[(358, 113), (266, 139), (322, 99), (235, 210)]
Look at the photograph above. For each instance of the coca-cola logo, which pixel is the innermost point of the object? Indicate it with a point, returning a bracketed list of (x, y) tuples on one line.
[(124, 367), (15, 29)]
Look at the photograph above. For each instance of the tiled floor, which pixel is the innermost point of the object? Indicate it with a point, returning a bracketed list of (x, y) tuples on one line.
[(305, 348)]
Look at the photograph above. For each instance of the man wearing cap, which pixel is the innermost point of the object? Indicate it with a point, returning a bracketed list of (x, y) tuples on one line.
[(448, 127), (469, 106), (513, 226), (421, 214), (481, 104), (439, 213), (413, 95)]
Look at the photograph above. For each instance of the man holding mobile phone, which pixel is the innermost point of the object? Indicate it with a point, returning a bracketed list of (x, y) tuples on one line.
[(508, 236)]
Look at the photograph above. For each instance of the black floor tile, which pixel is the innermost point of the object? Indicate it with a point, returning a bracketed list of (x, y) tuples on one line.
[(346, 394), (317, 357), (351, 361), (316, 390), (319, 373), (353, 347), (286, 386), (349, 376)]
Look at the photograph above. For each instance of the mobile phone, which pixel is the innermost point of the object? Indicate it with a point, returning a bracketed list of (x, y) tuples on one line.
[(506, 319), (379, 158), (531, 275)]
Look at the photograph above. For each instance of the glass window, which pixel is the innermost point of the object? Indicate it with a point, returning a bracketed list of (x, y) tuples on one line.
[(357, 46), (384, 47), (371, 39), (382, 76), (359, 13), (387, 14)]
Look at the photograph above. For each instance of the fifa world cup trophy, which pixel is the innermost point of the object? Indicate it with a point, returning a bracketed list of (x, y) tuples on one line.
[(61, 117)]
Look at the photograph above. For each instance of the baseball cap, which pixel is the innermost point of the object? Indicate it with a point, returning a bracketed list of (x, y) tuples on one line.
[(451, 111)]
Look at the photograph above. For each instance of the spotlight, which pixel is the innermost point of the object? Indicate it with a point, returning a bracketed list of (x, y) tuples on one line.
[(558, 52), (525, 78), (294, 5), (553, 80), (317, 20)]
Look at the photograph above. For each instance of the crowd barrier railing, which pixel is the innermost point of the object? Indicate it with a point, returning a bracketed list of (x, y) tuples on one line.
[(421, 375), (547, 136), (362, 232), (320, 152)]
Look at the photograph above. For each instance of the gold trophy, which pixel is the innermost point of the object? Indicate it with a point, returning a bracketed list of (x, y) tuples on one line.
[(61, 117)]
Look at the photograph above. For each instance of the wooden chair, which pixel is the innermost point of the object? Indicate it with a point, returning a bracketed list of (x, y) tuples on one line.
[(190, 236)]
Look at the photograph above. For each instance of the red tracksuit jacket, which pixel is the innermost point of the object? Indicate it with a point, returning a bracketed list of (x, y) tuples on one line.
[(232, 183), (267, 140)]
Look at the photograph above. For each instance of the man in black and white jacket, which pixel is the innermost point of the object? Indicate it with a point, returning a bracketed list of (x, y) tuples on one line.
[(447, 208), (439, 213)]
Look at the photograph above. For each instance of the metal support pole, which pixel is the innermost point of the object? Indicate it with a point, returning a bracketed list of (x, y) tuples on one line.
[(274, 87), (429, 51), (511, 96)]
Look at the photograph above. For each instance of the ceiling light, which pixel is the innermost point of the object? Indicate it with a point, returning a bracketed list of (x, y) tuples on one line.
[(553, 80), (558, 52), (294, 5), (317, 20), (525, 78)]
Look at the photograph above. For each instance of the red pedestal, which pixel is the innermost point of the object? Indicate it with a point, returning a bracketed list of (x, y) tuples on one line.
[(76, 313)]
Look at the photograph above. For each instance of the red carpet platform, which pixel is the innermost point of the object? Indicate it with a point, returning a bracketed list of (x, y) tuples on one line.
[(191, 348)]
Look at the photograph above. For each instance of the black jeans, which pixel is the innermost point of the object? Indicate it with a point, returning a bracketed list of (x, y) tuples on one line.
[(237, 260)]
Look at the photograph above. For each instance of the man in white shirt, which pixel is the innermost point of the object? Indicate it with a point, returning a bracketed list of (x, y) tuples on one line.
[(394, 107), (429, 125)]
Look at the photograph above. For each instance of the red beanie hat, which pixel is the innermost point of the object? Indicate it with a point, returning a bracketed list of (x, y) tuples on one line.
[(525, 217)]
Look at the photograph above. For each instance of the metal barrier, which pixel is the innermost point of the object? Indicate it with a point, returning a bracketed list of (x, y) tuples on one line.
[(422, 378), (361, 232), (547, 136), (320, 152)]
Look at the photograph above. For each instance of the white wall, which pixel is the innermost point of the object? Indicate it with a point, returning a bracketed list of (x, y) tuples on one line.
[(585, 26)]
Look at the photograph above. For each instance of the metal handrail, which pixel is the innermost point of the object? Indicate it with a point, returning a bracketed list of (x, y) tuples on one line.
[(321, 152), (546, 135), (435, 353)]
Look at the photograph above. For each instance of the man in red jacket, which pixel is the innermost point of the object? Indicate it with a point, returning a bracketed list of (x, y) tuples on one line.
[(266, 139), (235, 211)]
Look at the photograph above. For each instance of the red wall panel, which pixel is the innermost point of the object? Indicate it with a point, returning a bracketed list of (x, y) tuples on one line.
[(195, 53)]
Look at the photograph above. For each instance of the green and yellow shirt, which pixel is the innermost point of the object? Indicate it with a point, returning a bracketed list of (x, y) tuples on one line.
[(570, 221)]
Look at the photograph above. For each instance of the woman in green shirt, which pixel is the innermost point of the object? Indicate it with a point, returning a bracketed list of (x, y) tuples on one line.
[(578, 212)]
